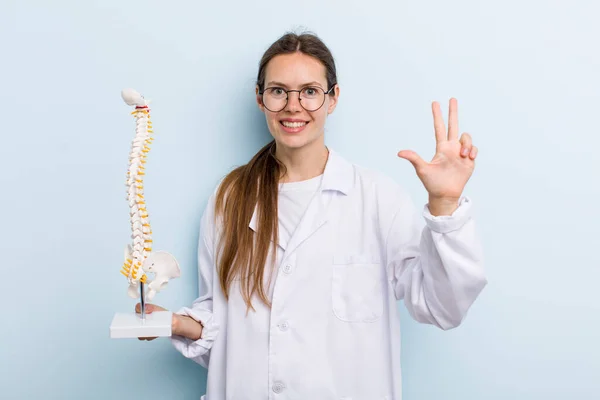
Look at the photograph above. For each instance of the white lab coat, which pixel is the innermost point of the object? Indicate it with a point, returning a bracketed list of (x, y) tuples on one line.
[(333, 332)]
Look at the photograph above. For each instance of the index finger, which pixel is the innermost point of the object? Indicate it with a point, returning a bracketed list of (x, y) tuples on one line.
[(438, 123)]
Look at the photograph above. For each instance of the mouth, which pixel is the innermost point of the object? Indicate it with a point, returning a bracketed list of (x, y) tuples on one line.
[(293, 126)]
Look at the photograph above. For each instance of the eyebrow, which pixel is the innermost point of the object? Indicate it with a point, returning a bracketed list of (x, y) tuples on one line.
[(313, 83)]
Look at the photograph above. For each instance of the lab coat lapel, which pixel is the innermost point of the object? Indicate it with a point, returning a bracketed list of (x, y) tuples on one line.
[(313, 219), (254, 226)]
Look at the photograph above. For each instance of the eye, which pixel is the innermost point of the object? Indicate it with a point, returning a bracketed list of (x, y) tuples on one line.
[(276, 92), (310, 92)]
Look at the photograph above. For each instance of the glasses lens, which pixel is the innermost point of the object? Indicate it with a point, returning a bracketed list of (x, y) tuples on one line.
[(312, 98), (275, 99)]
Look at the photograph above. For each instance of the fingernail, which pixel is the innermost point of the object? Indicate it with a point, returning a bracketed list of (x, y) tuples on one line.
[(464, 151)]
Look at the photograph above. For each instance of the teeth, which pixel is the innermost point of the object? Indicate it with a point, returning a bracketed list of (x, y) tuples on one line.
[(293, 124)]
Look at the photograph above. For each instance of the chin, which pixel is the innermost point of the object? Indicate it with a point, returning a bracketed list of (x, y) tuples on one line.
[(295, 141)]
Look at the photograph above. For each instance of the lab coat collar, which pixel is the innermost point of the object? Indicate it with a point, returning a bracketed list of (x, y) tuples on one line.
[(338, 174)]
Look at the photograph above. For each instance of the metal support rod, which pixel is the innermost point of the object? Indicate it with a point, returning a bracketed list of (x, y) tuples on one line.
[(142, 301)]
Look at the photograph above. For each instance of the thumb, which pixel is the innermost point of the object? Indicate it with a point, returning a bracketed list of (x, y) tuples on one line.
[(413, 157)]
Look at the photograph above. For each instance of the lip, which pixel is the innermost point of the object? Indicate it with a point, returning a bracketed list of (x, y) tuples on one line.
[(293, 120), (293, 130)]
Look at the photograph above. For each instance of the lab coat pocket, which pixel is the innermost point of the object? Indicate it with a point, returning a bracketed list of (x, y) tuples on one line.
[(357, 294)]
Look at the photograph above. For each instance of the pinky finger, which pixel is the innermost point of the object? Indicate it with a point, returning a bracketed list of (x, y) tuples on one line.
[(473, 153)]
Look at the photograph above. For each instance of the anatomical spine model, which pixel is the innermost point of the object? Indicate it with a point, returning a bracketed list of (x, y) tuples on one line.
[(139, 257)]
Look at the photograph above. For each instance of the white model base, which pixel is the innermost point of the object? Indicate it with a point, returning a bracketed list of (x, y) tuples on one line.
[(131, 325)]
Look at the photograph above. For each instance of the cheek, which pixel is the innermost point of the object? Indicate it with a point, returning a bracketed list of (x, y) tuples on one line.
[(319, 117), (268, 116), (272, 119)]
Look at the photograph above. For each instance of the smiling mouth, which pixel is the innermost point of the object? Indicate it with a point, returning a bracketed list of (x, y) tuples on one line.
[(293, 125)]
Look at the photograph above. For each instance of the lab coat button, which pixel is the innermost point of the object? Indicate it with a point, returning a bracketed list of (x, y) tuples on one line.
[(278, 387), (287, 269), (284, 326)]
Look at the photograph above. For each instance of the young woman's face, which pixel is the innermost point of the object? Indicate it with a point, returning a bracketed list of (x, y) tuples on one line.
[(294, 127)]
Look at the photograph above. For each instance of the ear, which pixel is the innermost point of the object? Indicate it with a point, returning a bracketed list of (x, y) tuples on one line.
[(333, 100), (259, 100)]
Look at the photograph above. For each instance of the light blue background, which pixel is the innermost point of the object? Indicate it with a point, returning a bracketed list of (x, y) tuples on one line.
[(526, 74)]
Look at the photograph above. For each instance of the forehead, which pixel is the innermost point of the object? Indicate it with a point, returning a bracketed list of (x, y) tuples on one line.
[(295, 69)]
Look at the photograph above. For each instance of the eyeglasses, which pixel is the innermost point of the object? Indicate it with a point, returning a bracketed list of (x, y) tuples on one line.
[(311, 98)]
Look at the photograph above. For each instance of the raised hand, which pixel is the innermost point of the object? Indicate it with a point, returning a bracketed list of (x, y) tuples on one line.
[(446, 175)]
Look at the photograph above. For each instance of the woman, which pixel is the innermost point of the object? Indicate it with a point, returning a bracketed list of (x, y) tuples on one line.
[(303, 255)]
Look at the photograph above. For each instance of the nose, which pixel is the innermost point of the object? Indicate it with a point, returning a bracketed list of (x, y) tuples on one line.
[(293, 103)]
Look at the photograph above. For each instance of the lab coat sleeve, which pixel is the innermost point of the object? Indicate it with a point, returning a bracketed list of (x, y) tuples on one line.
[(202, 308), (437, 269)]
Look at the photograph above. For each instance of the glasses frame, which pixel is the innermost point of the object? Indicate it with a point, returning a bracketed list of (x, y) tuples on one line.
[(287, 97)]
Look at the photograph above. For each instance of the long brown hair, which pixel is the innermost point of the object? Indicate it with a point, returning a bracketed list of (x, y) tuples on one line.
[(242, 253)]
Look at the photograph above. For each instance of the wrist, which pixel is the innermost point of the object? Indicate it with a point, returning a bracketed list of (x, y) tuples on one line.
[(187, 327), (442, 206)]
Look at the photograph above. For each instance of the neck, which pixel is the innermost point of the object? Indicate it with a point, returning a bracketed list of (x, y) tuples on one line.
[(303, 163)]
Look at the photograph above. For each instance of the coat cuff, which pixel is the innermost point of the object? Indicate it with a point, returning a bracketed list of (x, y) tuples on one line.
[(449, 223), (210, 329)]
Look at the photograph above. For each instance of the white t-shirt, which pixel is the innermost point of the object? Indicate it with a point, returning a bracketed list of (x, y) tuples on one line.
[(293, 201)]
